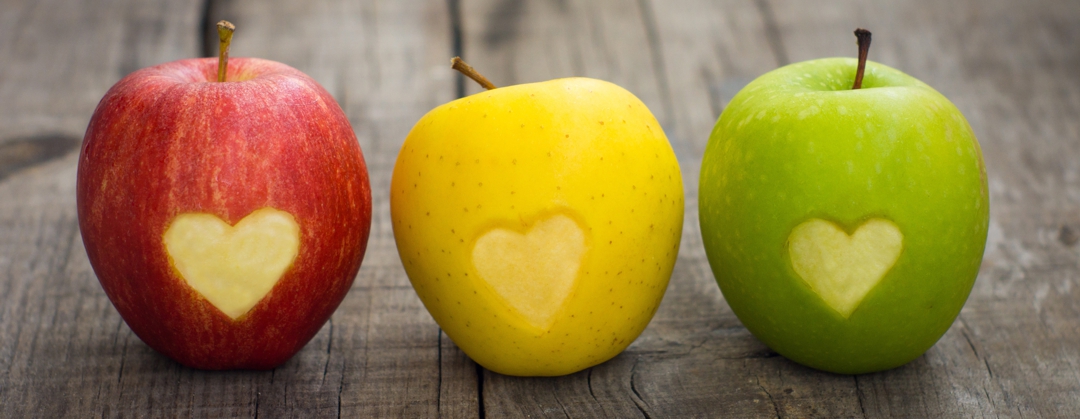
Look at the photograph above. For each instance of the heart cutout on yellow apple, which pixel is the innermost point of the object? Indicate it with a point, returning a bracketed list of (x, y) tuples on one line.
[(840, 268), (534, 272), (233, 267)]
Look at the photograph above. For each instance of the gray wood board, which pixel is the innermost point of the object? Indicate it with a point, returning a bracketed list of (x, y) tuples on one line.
[(1010, 67)]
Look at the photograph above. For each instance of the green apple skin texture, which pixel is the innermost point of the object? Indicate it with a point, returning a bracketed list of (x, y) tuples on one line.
[(511, 158), (796, 144)]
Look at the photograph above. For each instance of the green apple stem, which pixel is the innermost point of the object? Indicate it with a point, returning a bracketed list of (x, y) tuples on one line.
[(225, 32), (458, 64), (863, 37)]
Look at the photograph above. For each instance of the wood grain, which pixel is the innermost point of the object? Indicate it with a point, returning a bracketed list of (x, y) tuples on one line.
[(61, 342), (386, 64), (1011, 70), (1010, 67)]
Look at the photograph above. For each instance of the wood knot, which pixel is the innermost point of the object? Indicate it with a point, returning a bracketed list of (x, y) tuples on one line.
[(1068, 236)]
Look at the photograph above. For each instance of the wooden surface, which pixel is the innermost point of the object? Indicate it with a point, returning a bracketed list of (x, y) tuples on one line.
[(1013, 68)]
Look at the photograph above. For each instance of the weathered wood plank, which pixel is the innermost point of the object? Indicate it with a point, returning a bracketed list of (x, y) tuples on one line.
[(703, 71), (659, 51), (1010, 67), (61, 342), (380, 355), (386, 64), (60, 57), (521, 42)]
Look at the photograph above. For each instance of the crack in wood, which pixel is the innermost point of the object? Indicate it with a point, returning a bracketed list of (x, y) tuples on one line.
[(438, 390), (561, 405), (24, 153), (341, 389), (967, 338), (206, 45), (965, 331), (772, 32), (456, 40), (859, 396), (212, 12), (638, 400), (503, 23), (329, 347), (712, 83), (120, 375), (589, 381), (1068, 236), (987, 394), (480, 390), (656, 54), (776, 408), (285, 389)]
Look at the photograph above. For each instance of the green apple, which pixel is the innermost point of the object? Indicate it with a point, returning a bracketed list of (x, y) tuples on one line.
[(539, 223), (845, 227)]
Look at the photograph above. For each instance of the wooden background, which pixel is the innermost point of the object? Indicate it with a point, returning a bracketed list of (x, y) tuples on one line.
[(1012, 67)]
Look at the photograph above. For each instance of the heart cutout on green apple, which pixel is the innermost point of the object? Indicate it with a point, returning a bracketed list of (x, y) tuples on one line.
[(842, 268), (233, 267), (536, 271)]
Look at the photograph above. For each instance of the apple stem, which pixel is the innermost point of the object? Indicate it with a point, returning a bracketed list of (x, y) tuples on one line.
[(863, 39), (458, 64), (225, 32)]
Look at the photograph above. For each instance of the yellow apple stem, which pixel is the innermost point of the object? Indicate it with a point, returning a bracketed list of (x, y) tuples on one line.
[(863, 39), (458, 64), (225, 32)]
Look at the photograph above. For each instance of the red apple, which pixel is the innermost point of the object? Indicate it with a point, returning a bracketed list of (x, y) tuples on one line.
[(225, 220)]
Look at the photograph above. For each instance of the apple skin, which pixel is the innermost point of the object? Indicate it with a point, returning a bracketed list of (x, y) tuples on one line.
[(511, 157), (797, 143), (168, 140)]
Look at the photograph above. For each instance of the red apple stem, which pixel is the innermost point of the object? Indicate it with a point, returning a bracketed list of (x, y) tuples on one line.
[(458, 64), (863, 39), (225, 32)]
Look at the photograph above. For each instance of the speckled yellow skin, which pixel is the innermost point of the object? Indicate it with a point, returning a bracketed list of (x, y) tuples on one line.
[(512, 157)]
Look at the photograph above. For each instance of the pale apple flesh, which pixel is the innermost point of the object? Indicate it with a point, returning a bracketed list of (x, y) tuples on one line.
[(535, 271), (843, 268), (233, 267)]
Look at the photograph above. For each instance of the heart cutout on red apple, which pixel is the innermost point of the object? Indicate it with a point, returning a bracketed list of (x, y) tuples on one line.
[(842, 268), (233, 267), (536, 271)]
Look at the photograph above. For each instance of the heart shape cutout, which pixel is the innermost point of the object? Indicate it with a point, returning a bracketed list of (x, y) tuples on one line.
[(534, 272), (233, 267), (840, 268)]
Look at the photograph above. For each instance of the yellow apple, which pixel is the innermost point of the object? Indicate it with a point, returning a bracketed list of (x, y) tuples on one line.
[(539, 223)]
